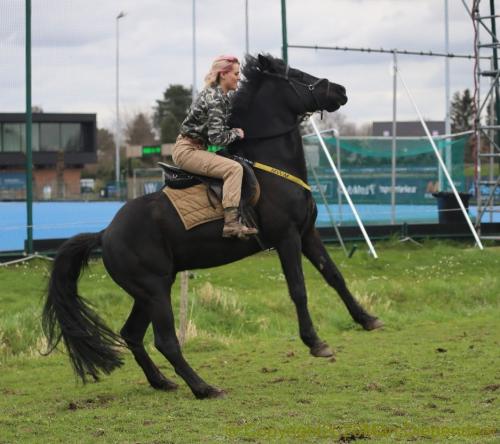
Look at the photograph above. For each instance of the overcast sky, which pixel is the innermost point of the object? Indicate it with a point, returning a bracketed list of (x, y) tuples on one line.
[(74, 44)]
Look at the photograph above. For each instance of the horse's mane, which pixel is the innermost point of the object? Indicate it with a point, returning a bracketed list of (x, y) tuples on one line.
[(251, 71)]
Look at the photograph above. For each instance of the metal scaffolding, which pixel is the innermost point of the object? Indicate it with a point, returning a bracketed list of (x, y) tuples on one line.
[(487, 112)]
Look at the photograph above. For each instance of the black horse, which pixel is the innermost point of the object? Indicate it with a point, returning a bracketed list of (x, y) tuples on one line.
[(146, 245)]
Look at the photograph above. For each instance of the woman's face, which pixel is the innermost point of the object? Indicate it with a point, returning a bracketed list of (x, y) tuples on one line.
[(229, 80)]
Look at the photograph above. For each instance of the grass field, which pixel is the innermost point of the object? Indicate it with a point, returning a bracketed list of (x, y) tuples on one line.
[(432, 374)]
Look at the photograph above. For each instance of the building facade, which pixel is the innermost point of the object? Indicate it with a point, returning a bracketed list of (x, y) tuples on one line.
[(62, 144), (408, 128)]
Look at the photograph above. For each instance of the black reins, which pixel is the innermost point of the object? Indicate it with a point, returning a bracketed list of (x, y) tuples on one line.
[(311, 87)]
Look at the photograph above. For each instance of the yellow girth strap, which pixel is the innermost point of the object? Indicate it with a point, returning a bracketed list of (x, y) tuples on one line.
[(281, 173)]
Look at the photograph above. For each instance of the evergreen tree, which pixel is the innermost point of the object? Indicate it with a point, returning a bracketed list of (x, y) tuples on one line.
[(104, 169), (462, 112), (105, 146), (139, 131), (169, 128), (170, 111), (462, 119)]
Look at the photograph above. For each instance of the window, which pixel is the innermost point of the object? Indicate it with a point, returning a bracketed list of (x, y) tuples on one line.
[(13, 137), (71, 137), (49, 137), (44, 137), (35, 137)]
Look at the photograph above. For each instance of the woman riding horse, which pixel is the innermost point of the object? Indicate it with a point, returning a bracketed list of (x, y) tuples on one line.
[(206, 126), (146, 244)]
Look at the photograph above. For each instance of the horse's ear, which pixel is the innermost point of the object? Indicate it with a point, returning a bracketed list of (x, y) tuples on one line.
[(264, 62)]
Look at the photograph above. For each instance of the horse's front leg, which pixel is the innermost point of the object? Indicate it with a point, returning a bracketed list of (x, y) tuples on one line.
[(289, 251), (314, 249)]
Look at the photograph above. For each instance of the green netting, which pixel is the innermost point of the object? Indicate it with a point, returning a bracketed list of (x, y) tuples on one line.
[(380, 148), (366, 168)]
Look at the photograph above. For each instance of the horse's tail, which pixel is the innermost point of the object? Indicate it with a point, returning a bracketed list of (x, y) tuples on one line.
[(91, 345)]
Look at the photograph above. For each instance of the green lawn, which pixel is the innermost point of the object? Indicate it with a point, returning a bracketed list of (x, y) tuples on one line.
[(432, 374)]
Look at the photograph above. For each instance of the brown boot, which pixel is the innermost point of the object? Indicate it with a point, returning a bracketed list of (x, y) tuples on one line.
[(233, 227)]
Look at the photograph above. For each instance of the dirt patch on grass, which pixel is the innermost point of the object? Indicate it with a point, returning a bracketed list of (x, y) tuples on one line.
[(491, 387), (90, 403), (351, 437)]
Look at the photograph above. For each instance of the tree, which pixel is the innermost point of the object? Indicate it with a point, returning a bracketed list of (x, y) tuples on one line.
[(139, 131), (365, 129), (462, 112), (493, 119), (170, 111), (335, 120), (169, 128), (462, 118), (104, 169), (105, 146)]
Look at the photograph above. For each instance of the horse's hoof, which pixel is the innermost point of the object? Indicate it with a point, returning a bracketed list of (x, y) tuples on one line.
[(211, 393), (164, 385), (373, 324), (321, 350)]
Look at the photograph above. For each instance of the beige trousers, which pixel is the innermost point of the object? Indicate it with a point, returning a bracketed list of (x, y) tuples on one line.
[(191, 155)]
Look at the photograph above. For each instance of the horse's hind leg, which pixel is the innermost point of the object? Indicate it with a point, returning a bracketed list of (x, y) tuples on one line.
[(133, 333), (160, 311), (314, 249)]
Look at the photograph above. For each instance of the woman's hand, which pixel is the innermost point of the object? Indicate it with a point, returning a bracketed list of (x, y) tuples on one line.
[(240, 132)]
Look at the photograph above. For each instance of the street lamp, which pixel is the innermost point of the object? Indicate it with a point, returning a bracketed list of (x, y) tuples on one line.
[(193, 89), (447, 120), (246, 27), (117, 147)]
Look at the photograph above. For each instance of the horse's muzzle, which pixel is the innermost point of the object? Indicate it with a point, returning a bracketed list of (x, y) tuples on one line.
[(336, 97), (341, 93)]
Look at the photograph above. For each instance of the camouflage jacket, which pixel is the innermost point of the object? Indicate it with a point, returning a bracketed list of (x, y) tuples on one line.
[(207, 118)]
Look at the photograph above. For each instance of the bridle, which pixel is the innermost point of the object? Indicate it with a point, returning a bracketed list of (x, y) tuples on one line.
[(311, 87)]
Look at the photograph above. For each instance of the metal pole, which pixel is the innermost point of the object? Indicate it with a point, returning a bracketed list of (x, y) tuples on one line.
[(386, 51), (339, 166), (183, 306), (28, 124), (193, 89), (495, 66), (441, 162), (134, 183), (184, 299), (339, 163), (246, 28), (394, 130), (118, 129), (477, 117), (341, 183), (491, 162), (447, 121), (284, 48), (328, 210)]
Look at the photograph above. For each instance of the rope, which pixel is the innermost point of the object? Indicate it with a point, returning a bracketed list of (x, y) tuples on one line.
[(282, 174)]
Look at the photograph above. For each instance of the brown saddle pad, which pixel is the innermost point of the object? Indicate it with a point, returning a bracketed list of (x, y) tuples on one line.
[(193, 205)]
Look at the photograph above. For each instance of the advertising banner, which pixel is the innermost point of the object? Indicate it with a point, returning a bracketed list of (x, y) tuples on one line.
[(12, 180)]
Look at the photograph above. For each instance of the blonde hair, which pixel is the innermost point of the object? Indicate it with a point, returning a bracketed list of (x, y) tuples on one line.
[(221, 64)]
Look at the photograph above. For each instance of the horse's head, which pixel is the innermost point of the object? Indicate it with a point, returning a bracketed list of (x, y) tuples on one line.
[(273, 96), (305, 93)]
